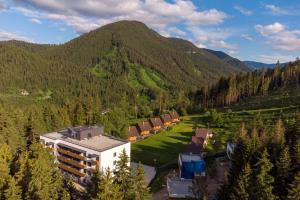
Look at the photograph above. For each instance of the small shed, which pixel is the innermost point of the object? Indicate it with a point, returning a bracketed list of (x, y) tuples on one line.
[(144, 128), (191, 165), (133, 133), (156, 124), (179, 188), (166, 119), (174, 116)]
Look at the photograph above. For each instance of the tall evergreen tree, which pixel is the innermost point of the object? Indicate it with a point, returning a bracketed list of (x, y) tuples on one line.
[(263, 189), (108, 189), (13, 191), (294, 189), (241, 189), (282, 171), (122, 174), (5, 162), (140, 191)]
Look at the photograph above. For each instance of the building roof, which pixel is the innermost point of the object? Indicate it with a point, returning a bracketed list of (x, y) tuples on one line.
[(185, 157), (198, 140), (97, 143), (179, 188), (144, 126), (194, 148), (166, 118), (203, 132), (133, 131), (155, 122), (174, 115)]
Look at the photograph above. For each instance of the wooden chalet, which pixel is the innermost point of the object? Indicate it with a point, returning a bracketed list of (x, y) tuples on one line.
[(156, 124), (166, 119), (144, 128), (133, 133), (201, 136), (175, 117)]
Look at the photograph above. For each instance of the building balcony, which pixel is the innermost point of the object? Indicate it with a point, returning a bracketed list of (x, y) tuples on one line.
[(71, 154), (71, 170), (71, 162)]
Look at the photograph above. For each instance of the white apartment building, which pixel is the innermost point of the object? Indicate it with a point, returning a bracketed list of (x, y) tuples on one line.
[(80, 150)]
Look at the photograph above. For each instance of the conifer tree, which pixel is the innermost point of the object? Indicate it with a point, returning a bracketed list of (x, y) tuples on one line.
[(13, 191), (241, 188), (5, 162), (294, 189), (263, 180), (107, 189), (140, 191), (45, 182), (122, 174), (199, 187)]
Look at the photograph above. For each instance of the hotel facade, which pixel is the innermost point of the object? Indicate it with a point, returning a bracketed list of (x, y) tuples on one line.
[(80, 150)]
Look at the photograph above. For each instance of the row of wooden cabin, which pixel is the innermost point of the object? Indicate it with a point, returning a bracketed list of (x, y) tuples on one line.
[(152, 125)]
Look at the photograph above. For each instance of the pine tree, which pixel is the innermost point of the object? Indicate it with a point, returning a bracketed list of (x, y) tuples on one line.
[(241, 188), (263, 180), (5, 162), (13, 191), (140, 191), (294, 189), (296, 155), (122, 174), (279, 133), (45, 182), (199, 187), (93, 185), (107, 189), (282, 171)]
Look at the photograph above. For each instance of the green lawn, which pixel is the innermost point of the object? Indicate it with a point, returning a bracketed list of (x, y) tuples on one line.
[(165, 146)]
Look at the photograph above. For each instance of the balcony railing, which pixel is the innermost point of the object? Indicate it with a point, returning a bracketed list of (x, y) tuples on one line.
[(72, 162), (71, 170), (69, 153)]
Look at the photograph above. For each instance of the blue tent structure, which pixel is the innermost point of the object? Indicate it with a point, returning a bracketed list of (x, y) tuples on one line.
[(191, 168)]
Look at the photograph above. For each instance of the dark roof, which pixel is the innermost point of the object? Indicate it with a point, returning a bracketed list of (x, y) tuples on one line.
[(155, 122), (202, 132), (166, 118), (144, 126), (194, 148), (174, 115), (198, 140), (133, 131)]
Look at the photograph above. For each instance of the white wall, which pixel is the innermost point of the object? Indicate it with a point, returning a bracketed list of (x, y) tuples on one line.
[(107, 158)]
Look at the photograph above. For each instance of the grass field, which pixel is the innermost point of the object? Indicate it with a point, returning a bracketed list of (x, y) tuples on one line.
[(164, 147)]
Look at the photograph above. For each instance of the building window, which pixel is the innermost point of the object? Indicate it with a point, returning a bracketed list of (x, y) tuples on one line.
[(89, 164), (84, 170), (89, 173), (84, 162), (115, 162), (115, 154), (97, 158)]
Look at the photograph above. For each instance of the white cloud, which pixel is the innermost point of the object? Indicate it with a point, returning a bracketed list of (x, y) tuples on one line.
[(2, 5), (36, 21), (224, 45), (244, 11), (212, 37), (4, 35), (270, 29), (275, 10), (247, 37), (85, 15), (280, 37), (274, 58)]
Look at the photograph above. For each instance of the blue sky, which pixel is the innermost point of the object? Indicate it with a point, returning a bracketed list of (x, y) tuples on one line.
[(249, 30)]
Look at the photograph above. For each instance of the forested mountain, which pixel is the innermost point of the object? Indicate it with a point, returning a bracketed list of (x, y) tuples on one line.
[(232, 89), (124, 65), (229, 60), (259, 65)]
